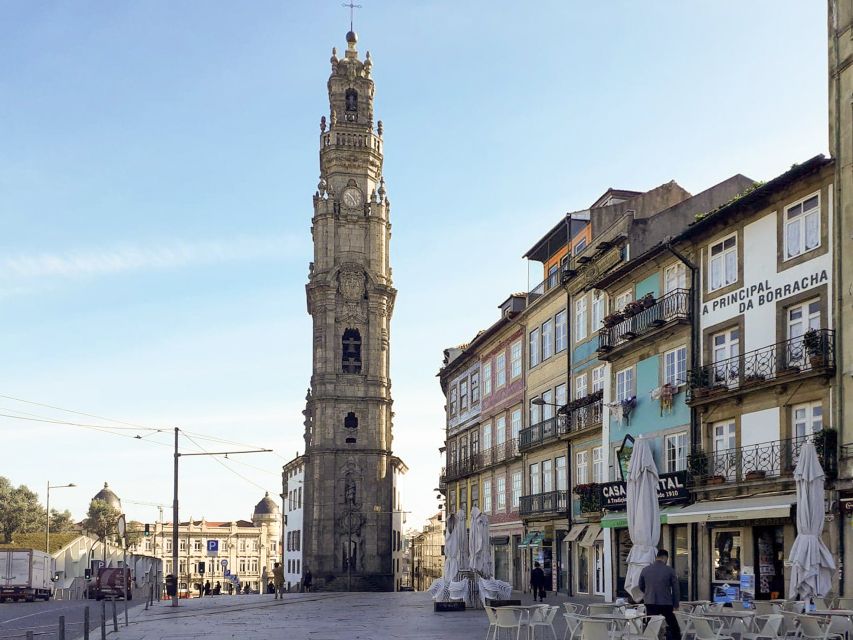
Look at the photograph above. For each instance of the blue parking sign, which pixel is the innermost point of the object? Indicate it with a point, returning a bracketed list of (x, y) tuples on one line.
[(213, 546), (226, 573)]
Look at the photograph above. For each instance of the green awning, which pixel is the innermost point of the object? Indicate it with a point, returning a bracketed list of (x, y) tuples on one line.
[(619, 519), (532, 539)]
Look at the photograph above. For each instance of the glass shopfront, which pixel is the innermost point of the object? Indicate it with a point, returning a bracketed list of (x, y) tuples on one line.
[(757, 551)]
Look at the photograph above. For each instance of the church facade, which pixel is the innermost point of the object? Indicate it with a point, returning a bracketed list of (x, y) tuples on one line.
[(348, 530)]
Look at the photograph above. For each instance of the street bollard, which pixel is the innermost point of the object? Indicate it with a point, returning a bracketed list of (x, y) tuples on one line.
[(115, 616), (103, 620), (61, 627), (86, 622)]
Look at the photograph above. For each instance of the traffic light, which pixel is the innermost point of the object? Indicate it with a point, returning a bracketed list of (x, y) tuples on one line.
[(147, 530), (87, 574), (201, 568)]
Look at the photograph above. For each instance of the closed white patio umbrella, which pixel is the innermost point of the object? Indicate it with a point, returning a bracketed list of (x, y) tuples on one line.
[(812, 565), (643, 514)]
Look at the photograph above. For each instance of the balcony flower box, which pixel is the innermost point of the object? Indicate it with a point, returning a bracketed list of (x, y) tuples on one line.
[(612, 320), (756, 474), (633, 308), (714, 480), (753, 380), (648, 301)]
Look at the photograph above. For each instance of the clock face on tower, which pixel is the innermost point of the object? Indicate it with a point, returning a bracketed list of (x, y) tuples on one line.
[(352, 197)]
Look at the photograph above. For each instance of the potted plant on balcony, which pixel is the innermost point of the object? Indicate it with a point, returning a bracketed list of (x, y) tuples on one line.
[(648, 300), (756, 474), (612, 320), (628, 405), (589, 499), (632, 308), (815, 345), (753, 379), (699, 383)]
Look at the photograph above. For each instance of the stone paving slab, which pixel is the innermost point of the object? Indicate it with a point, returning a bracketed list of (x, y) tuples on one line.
[(309, 616)]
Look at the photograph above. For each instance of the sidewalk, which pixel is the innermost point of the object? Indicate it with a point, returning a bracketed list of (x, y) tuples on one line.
[(314, 616)]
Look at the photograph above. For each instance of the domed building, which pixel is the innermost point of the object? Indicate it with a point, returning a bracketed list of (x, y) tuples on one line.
[(106, 494)]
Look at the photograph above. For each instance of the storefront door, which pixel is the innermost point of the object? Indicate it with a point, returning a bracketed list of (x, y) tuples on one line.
[(598, 568), (681, 558), (502, 562), (517, 582), (623, 547), (769, 552)]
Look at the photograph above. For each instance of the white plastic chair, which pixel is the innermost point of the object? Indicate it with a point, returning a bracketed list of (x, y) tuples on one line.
[(765, 608), (684, 621), (844, 603), (813, 628), (573, 625), (768, 627), (651, 631), (739, 605), (790, 625), (542, 617), (490, 614), (508, 618), (708, 629), (571, 607), (595, 630)]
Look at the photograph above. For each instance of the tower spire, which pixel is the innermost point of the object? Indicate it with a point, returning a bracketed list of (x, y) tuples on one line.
[(352, 8)]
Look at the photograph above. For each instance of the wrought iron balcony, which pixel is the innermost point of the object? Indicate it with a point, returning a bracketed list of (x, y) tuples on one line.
[(812, 353), (540, 503), (584, 413), (759, 461), (543, 287), (539, 433), (589, 497), (462, 467), (641, 318), (500, 452)]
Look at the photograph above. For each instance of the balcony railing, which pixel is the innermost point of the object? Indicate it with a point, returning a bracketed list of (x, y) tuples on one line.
[(544, 287), (462, 467), (500, 452), (759, 461), (674, 305), (549, 502), (537, 434), (585, 413), (813, 352)]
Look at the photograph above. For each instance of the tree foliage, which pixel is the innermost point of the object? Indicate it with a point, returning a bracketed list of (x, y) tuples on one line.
[(20, 510), (101, 520)]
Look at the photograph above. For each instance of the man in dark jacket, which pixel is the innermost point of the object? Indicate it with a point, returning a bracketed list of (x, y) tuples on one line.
[(661, 593), (537, 582)]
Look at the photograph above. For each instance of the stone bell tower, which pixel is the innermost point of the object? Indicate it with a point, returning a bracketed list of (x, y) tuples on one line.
[(349, 467)]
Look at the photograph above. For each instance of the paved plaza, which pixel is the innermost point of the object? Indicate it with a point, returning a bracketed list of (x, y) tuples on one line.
[(314, 616)]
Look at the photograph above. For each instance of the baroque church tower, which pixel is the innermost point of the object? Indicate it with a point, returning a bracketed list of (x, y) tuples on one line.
[(349, 468)]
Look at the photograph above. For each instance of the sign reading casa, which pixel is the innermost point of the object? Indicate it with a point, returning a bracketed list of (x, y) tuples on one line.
[(672, 489), (761, 293)]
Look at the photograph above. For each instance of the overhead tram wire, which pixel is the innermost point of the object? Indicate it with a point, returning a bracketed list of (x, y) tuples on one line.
[(216, 458), (80, 413)]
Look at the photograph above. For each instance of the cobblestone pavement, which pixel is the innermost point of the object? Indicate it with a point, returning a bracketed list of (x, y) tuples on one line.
[(314, 616)]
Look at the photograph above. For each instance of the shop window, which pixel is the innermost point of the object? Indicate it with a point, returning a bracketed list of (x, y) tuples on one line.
[(726, 556)]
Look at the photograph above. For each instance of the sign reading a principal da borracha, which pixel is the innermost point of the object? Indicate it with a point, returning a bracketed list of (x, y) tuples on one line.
[(672, 489)]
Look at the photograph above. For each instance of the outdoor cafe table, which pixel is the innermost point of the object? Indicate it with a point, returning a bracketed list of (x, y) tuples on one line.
[(728, 617), (619, 619)]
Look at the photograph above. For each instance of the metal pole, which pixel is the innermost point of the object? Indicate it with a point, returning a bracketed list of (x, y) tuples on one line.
[(115, 616), (86, 622), (126, 576), (103, 620), (47, 521), (61, 627), (175, 524), (349, 551)]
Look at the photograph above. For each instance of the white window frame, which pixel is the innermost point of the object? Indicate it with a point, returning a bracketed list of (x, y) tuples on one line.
[(675, 451), (674, 277), (487, 495), (560, 331), (598, 378), (809, 421), (560, 397), (515, 423), (515, 360), (722, 258), (516, 489), (581, 388), (533, 472), (500, 484), (533, 346), (801, 222), (622, 300), (500, 430), (487, 378), (454, 395), (675, 366), (547, 339), (486, 440), (561, 473), (500, 370), (599, 309), (581, 319), (547, 476), (463, 395), (624, 384), (582, 467), (598, 464)]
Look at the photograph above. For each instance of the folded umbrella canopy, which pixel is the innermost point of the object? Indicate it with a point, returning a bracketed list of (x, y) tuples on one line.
[(643, 514), (812, 565)]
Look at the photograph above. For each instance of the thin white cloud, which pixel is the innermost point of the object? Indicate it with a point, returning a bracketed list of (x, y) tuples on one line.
[(128, 258)]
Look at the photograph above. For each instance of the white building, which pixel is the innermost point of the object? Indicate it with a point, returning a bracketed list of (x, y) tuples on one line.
[(293, 487)]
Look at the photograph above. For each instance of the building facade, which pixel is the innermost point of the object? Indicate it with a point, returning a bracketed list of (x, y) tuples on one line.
[(349, 469), (292, 495), (427, 553)]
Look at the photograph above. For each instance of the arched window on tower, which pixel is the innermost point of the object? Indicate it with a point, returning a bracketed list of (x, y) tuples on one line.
[(351, 351), (351, 425), (351, 100)]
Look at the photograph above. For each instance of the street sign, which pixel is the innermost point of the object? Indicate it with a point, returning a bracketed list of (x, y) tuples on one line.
[(227, 573), (224, 563), (121, 525), (212, 547)]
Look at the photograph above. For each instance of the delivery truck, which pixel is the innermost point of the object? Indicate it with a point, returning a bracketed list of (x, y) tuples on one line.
[(25, 574)]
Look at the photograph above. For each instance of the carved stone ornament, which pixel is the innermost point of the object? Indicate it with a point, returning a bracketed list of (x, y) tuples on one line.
[(352, 313), (352, 285)]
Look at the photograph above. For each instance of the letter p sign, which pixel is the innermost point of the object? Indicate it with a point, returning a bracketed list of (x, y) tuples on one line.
[(212, 547)]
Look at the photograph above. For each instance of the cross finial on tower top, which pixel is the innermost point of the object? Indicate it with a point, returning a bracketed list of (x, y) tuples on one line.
[(352, 7)]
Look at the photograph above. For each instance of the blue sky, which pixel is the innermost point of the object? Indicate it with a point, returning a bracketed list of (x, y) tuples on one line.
[(157, 162)]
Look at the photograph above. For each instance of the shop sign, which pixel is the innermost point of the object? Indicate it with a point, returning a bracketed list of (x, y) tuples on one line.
[(672, 489), (757, 294)]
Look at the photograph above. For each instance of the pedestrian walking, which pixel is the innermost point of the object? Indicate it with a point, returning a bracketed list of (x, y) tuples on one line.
[(661, 592), (537, 582), (217, 589), (207, 588), (306, 581), (278, 580)]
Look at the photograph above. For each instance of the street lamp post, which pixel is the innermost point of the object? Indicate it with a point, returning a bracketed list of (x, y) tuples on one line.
[(47, 508)]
